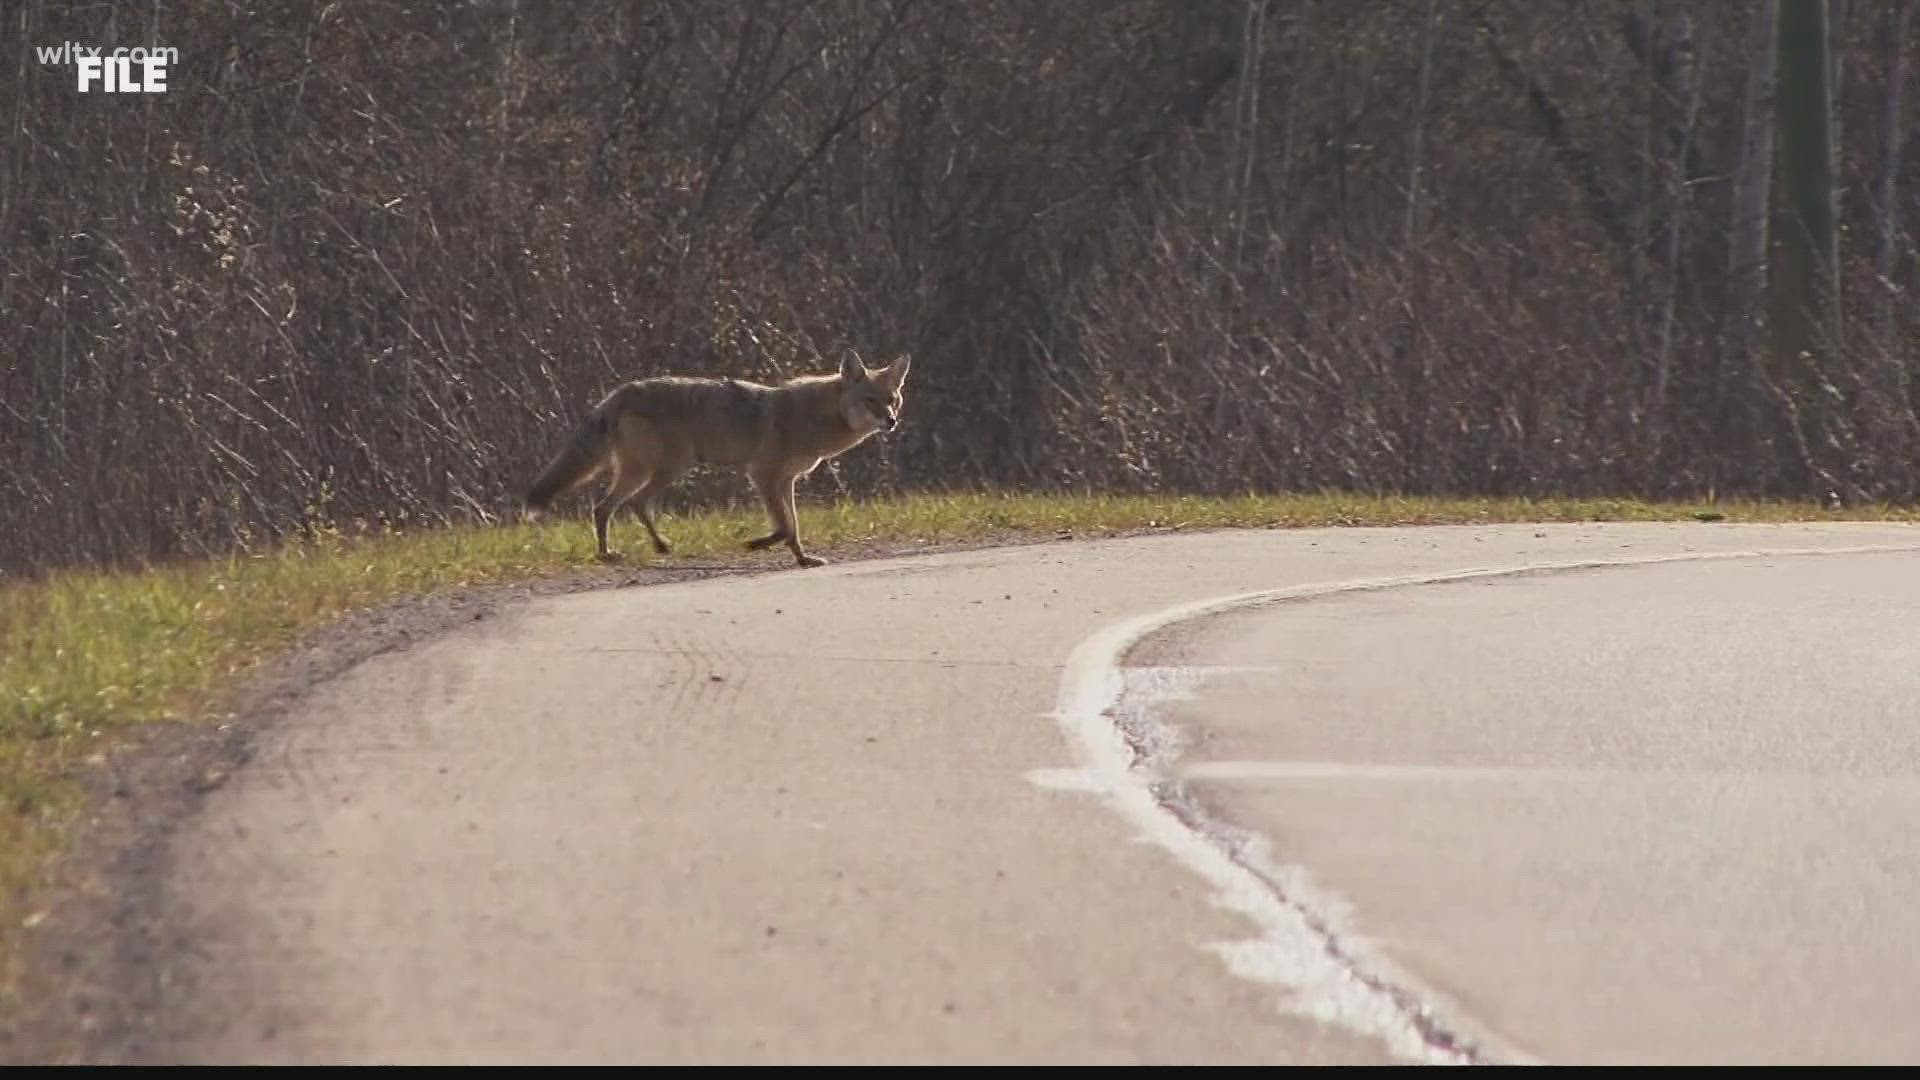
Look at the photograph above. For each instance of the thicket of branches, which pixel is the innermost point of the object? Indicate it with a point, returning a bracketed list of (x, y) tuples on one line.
[(371, 260)]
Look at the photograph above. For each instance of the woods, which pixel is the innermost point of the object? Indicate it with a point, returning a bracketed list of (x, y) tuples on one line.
[(361, 264)]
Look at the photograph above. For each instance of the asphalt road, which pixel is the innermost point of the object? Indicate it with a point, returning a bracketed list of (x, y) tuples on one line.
[(1626, 793)]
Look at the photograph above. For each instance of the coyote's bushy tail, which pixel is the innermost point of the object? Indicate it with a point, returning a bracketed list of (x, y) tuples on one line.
[(578, 460)]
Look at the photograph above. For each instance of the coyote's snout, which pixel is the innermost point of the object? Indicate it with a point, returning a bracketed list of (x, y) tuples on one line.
[(650, 432)]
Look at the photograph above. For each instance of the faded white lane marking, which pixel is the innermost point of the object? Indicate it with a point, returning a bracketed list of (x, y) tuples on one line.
[(1331, 976), (1262, 772), (1229, 771), (1139, 686)]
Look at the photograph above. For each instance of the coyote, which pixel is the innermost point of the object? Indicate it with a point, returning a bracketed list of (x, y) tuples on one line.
[(650, 432)]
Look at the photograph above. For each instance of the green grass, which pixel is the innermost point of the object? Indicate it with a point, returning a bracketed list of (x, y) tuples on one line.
[(87, 657)]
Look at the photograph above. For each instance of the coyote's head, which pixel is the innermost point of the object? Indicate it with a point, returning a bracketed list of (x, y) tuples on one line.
[(870, 400)]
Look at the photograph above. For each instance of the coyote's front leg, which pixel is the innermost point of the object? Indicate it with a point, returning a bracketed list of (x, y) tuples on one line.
[(777, 489)]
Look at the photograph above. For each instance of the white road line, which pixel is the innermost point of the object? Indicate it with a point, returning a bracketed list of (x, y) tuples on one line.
[(1126, 755), (1366, 770)]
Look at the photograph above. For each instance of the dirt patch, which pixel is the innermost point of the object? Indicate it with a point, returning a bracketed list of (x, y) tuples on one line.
[(92, 976)]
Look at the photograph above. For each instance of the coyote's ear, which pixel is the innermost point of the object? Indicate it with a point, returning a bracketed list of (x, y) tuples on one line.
[(851, 369), (896, 372)]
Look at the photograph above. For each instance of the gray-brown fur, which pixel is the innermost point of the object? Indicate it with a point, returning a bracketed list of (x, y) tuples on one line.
[(649, 433)]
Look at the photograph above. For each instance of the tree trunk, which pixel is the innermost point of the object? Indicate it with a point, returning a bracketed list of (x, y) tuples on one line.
[(1416, 160), (1413, 258), (1886, 209), (1680, 104), (1252, 36), (1808, 281), (1747, 254)]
